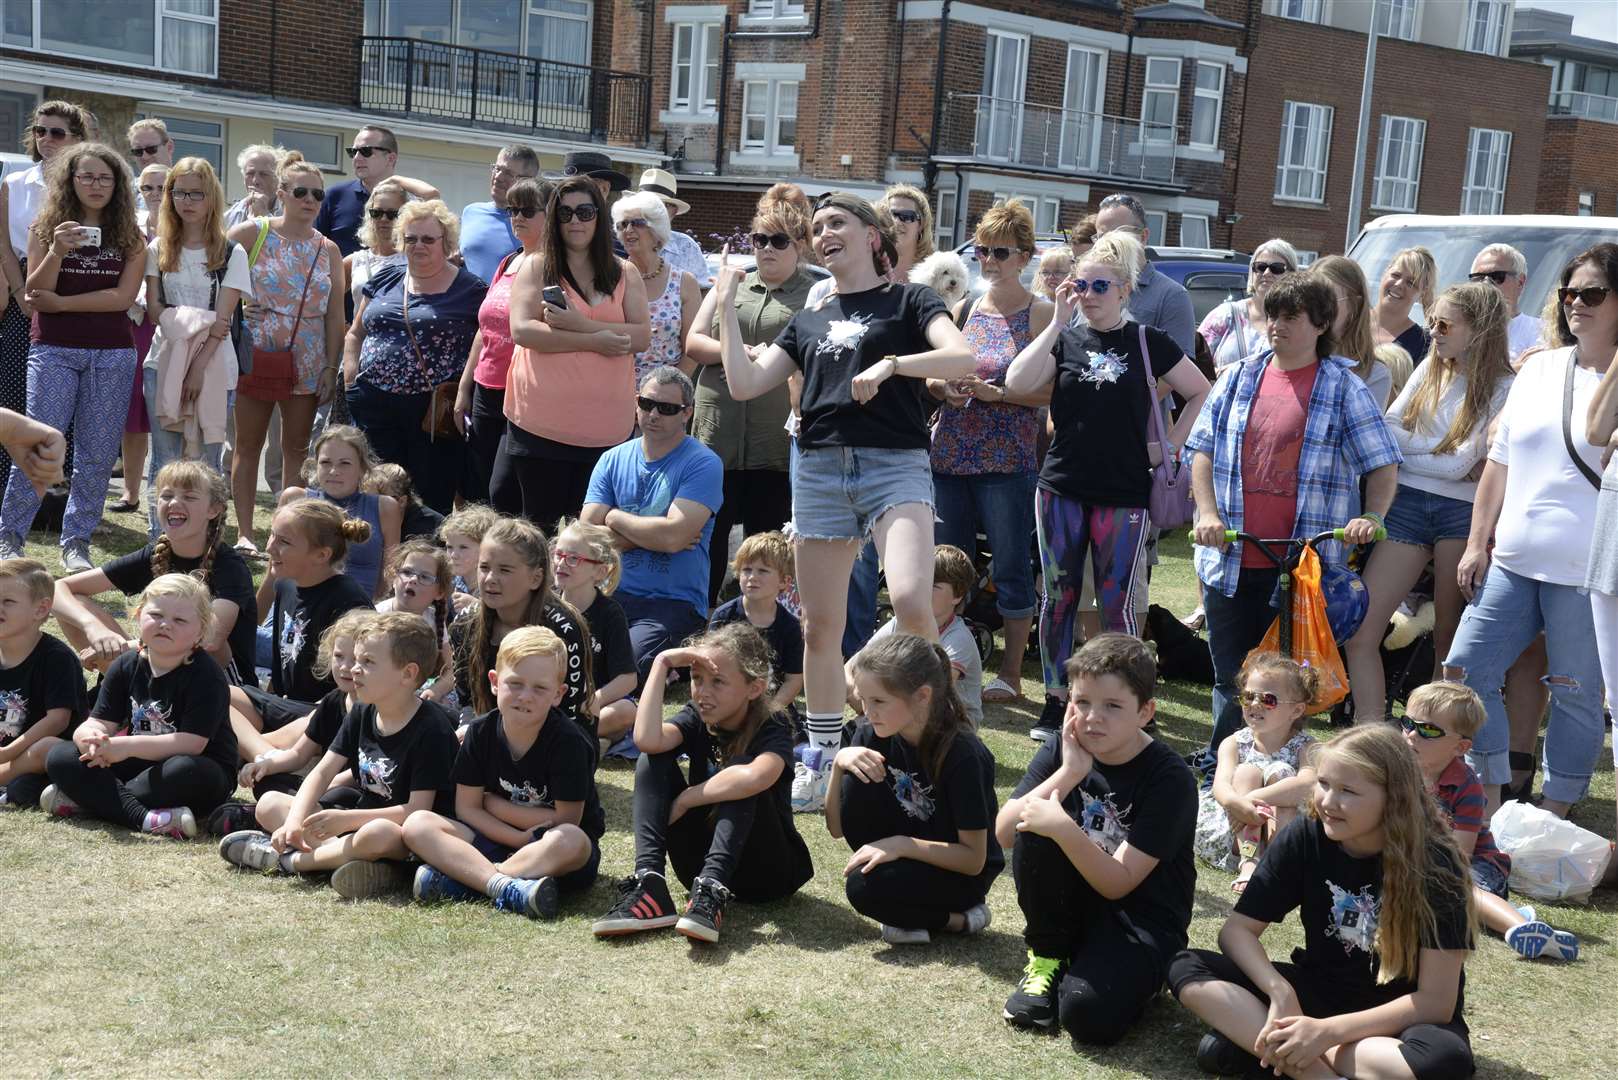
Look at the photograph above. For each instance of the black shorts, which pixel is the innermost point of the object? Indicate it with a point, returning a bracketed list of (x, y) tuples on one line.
[(275, 711), (572, 881)]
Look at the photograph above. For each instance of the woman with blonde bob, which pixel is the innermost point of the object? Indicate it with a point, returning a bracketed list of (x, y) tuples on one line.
[(376, 236), (1351, 334), (1412, 276)]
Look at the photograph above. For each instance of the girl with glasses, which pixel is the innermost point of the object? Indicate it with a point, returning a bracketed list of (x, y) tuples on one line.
[(672, 295), (584, 569), (1235, 329)]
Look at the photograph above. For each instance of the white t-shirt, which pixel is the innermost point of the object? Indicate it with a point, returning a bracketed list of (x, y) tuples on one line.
[(963, 654), (191, 284), (1545, 520), (1523, 333), (1441, 474)]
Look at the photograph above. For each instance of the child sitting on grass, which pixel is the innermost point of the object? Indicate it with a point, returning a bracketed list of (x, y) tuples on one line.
[(584, 569), (1439, 722), (419, 522), (530, 822), (41, 682), (763, 566), (461, 534)]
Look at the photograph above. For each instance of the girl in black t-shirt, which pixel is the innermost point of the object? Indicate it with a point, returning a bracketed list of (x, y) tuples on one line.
[(728, 826), (191, 501), (157, 748), (914, 797), (1388, 919), (585, 569), (857, 421)]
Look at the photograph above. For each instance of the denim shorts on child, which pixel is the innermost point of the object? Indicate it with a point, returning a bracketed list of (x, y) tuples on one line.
[(1489, 877), (1421, 517), (839, 492)]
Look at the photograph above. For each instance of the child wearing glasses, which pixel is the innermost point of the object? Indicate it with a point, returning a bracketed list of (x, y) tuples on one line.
[(1266, 770), (1439, 722), (584, 572)]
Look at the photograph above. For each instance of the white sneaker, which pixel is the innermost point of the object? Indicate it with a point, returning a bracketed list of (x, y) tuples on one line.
[(977, 918), (897, 935), (809, 789)]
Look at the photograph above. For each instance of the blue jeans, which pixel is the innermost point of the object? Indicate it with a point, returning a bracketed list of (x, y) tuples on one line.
[(1504, 617), (1002, 505), (168, 446), (1236, 624), (862, 586), (656, 624)]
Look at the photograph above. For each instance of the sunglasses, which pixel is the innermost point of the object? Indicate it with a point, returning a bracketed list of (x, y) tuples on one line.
[(569, 559), (1497, 276), (998, 254), (187, 196), (1422, 728), (105, 180), (662, 408), (1264, 698), (909, 217), (1590, 296), (314, 193), (1440, 326), (364, 151), (378, 214), (425, 241), (1276, 268), (632, 223), (526, 212), (405, 573), (40, 131), (1099, 286), (146, 151), (778, 241), (585, 212)]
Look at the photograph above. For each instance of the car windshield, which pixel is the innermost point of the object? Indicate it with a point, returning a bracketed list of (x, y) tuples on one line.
[(1454, 246), (1210, 288)]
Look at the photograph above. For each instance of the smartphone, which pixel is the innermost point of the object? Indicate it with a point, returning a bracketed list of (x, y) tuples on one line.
[(90, 236), (553, 294)]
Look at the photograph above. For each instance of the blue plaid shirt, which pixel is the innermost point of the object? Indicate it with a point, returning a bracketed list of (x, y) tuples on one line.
[(1344, 437)]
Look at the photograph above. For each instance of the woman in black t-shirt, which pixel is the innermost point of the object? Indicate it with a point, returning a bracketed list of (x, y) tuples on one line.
[(861, 464), (1096, 481), (1388, 920)]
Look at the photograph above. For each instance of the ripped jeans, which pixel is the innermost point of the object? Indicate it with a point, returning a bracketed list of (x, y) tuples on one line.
[(1504, 617)]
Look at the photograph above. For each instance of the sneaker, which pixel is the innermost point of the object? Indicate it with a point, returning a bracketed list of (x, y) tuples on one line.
[(1219, 1055), (176, 822), (361, 879), (10, 547), (230, 817), (249, 849), (810, 777), (898, 935), (1042, 735), (643, 903), (56, 804), (1033, 1003), (1049, 724), (432, 885), (977, 919), (704, 911), (533, 898), (1534, 939), (76, 557)]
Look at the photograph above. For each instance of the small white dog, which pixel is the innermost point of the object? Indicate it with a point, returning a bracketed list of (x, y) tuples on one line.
[(946, 272)]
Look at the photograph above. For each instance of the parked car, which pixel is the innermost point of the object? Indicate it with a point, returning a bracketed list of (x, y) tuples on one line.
[(1210, 275)]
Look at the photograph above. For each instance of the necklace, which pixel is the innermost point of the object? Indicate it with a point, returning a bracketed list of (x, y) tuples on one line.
[(647, 277)]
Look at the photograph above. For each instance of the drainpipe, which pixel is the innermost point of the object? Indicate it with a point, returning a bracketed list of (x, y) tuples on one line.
[(929, 171), (893, 108), (724, 95)]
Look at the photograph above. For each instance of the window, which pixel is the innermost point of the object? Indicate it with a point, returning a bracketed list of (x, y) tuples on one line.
[(1005, 71), (1307, 257), (1194, 231), (695, 85), (1300, 168), (1398, 164), (769, 116), (194, 138), (556, 30), (1488, 152), (1081, 127), (1486, 26), (1306, 10), (319, 147), (1160, 101), (1049, 218), (1206, 106), (775, 9), (1396, 19), (1587, 203), (944, 221), (170, 35), (1157, 227)]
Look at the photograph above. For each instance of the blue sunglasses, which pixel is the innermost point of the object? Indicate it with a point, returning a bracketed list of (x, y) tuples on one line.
[(1099, 286)]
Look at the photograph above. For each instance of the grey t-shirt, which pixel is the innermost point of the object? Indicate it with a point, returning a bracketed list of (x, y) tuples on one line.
[(963, 654)]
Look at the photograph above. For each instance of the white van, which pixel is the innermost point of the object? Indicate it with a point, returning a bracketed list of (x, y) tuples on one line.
[(1549, 242)]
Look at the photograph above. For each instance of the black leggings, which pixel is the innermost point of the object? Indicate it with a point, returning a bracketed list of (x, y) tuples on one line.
[(1433, 1051), (124, 792), (25, 790), (552, 488), (486, 429), (761, 500), (906, 893), (743, 845), (1114, 967)]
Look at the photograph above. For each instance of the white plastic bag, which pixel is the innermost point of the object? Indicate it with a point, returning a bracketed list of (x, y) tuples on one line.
[(1551, 859)]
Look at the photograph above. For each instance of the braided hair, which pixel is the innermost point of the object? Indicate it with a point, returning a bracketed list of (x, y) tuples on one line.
[(193, 476)]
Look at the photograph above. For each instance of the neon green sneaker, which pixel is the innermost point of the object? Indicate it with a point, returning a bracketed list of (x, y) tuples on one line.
[(1033, 1003)]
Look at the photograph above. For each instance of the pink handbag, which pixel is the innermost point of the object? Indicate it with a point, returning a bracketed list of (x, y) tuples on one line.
[(1171, 503)]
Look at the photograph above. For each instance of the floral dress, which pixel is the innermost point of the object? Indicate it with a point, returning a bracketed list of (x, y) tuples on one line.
[(1230, 336), (278, 277), (666, 346), (1215, 839), (989, 436)]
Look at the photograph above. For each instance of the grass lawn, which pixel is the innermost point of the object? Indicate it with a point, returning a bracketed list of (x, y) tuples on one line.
[(134, 955)]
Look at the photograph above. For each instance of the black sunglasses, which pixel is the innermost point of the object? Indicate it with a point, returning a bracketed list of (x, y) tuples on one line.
[(365, 151), (314, 193), (145, 151), (778, 241), (584, 212), (663, 408), (1497, 276), (1276, 268), (40, 131), (909, 217), (526, 212), (999, 254), (1591, 295), (1422, 728), (379, 214)]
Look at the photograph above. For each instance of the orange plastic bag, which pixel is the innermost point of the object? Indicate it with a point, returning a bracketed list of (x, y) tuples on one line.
[(1312, 640)]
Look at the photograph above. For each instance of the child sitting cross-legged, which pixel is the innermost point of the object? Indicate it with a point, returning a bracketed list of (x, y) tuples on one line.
[(763, 567), (584, 571), (41, 683), (1439, 722), (529, 818), (401, 749)]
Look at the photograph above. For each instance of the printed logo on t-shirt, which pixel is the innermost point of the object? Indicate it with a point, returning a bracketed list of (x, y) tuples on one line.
[(150, 718), (1354, 917), (292, 637), (843, 336), (526, 794), (376, 773), (13, 712), (1103, 368), (914, 799), (1103, 822)]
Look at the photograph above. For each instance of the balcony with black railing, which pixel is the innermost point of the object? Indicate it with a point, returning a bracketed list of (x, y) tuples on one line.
[(431, 81), (999, 131)]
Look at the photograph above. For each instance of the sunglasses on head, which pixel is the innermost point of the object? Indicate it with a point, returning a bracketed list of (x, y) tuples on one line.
[(909, 217), (1422, 728), (584, 212), (778, 241), (662, 408), (571, 559), (411, 240), (1099, 286), (1440, 326), (146, 151), (998, 254), (1590, 296), (364, 151), (40, 131), (632, 223), (1497, 276), (1264, 698), (1276, 268), (377, 214), (526, 212), (314, 193)]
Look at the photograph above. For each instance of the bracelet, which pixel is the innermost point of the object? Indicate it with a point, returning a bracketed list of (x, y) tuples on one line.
[(895, 360), (1373, 516)]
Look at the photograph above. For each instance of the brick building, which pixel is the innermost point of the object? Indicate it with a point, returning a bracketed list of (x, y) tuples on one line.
[(1581, 129)]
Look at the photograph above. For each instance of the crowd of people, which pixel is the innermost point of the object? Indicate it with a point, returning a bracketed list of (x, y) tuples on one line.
[(514, 443)]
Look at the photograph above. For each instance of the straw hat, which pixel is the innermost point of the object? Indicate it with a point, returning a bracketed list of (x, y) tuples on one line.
[(664, 186)]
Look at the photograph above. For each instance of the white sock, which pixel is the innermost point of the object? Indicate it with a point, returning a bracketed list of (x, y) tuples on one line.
[(825, 735), (286, 862), (496, 883)]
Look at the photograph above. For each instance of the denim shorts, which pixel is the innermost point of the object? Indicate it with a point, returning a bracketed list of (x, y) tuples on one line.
[(1488, 877), (839, 492), (1421, 517)]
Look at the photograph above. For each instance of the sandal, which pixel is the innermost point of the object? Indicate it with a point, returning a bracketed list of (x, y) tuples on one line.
[(124, 506), (245, 547), (999, 692), (1244, 874)]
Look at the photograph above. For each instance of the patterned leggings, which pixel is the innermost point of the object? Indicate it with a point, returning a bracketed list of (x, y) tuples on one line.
[(90, 389), (1115, 538)]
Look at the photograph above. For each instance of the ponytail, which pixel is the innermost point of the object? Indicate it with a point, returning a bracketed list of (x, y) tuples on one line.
[(904, 663)]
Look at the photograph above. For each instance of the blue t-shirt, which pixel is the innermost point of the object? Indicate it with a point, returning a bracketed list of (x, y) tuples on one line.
[(341, 213), (625, 480), (486, 238)]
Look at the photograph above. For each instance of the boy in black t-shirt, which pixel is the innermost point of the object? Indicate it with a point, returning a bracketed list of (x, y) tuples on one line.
[(763, 566), (1102, 823), (400, 748), (525, 794), (41, 683)]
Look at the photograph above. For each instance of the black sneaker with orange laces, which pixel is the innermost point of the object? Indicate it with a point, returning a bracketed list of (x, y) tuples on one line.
[(643, 904)]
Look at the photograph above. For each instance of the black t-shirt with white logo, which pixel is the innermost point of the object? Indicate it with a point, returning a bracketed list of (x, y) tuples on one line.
[(559, 766), (844, 337), (193, 699), (228, 579), (558, 621), (417, 757), (49, 677), (302, 615)]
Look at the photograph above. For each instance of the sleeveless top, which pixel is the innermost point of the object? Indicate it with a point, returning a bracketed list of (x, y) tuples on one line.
[(365, 264), (278, 278), (666, 346), (494, 323), (87, 270), (364, 561), (989, 436), (576, 398)]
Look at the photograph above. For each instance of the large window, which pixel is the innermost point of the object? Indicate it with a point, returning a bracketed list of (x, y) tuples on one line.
[(1206, 105), (1300, 168), (543, 29), (1486, 26), (694, 87), (1398, 164), (170, 35), (775, 9), (1306, 10), (1396, 19), (1488, 153), (1005, 74), (321, 147), (1080, 101), (1160, 101), (769, 117), (944, 220), (194, 138)]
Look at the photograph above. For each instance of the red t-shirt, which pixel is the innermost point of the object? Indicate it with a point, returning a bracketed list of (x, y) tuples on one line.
[(1270, 449)]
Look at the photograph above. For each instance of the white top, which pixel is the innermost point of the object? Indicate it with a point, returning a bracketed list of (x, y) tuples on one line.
[(1441, 474), (957, 640), (24, 192), (364, 264), (190, 285), (1545, 520), (1523, 333), (684, 253)]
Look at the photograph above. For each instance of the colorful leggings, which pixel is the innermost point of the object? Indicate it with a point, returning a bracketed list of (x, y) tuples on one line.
[(88, 388), (1115, 538)]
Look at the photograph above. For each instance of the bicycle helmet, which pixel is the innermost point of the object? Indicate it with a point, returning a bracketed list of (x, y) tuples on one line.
[(1347, 600)]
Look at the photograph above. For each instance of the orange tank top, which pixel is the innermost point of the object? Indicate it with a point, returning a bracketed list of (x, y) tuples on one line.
[(577, 398)]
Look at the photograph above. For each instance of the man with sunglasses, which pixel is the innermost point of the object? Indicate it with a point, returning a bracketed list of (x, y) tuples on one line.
[(1157, 300), (486, 235), (658, 494), (149, 143), (374, 154), (1504, 267)]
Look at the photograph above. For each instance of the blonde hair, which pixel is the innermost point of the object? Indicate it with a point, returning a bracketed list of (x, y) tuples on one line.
[(1486, 363), (771, 549), (183, 587), (526, 641), (324, 525), (193, 476), (1419, 856), (598, 538), (1455, 704), (1010, 220), (350, 436), (151, 123), (170, 230), (924, 234), (410, 641), (471, 521), (1121, 251), (412, 212), (1418, 264), (1357, 342), (291, 163), (1050, 258), (1305, 680), (367, 234), (33, 575), (352, 625), (1393, 356), (785, 208)]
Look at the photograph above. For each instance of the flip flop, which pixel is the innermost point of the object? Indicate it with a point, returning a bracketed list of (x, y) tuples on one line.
[(245, 547), (124, 506), (1244, 874), (998, 691)]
